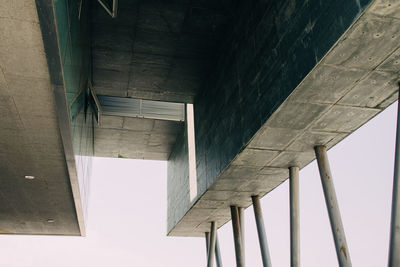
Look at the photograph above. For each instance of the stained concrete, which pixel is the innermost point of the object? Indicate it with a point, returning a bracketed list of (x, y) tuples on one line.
[(171, 51), (30, 136), (350, 85), (268, 50), (159, 50), (152, 50)]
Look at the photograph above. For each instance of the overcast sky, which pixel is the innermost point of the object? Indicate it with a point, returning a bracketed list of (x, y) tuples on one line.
[(127, 215)]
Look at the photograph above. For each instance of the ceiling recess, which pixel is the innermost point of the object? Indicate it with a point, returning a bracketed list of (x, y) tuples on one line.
[(140, 108)]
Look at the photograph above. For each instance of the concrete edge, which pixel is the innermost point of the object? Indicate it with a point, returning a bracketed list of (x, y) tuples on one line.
[(48, 25)]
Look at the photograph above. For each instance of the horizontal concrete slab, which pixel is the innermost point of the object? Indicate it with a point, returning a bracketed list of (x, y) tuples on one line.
[(35, 192), (136, 138)]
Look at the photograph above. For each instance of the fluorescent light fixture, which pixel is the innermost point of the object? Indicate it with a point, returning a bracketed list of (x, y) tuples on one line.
[(50, 220), (29, 177)]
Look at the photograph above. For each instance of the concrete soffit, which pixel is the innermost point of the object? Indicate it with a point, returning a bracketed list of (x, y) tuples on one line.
[(351, 84)]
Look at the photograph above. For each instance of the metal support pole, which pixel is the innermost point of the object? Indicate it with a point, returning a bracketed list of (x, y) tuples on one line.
[(262, 237), (342, 250), (294, 217), (241, 222), (207, 236), (218, 257), (211, 246), (237, 236), (394, 245)]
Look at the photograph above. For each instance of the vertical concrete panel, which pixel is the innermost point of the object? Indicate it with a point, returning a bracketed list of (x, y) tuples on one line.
[(74, 43), (178, 180)]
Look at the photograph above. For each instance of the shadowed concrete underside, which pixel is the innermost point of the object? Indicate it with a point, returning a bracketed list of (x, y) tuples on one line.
[(354, 82), (30, 140), (158, 50), (166, 52), (137, 138)]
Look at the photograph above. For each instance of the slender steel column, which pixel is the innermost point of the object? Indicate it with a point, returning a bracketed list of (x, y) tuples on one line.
[(211, 245), (207, 236), (342, 250), (294, 217), (262, 237), (218, 257), (237, 236), (241, 223), (394, 245)]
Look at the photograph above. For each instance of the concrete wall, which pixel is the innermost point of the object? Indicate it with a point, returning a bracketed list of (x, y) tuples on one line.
[(74, 44), (272, 48), (178, 180)]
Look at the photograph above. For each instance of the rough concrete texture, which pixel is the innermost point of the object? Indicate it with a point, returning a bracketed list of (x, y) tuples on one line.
[(350, 85), (159, 50), (30, 138), (178, 167), (137, 138)]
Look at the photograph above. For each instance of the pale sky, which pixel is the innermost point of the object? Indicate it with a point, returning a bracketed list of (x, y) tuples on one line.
[(127, 215)]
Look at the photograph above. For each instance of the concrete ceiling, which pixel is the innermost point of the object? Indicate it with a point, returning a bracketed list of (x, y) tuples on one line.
[(138, 138), (30, 141), (153, 50), (159, 50), (355, 81), (164, 50)]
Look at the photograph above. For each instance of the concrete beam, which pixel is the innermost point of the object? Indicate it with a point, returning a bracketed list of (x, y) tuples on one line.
[(340, 93)]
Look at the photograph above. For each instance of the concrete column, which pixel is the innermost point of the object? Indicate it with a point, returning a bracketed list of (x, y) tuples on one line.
[(342, 250), (237, 236), (262, 237), (294, 217), (211, 245), (241, 222), (394, 245)]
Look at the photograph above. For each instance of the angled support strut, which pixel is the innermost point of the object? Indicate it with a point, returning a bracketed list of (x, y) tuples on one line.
[(394, 245), (342, 250)]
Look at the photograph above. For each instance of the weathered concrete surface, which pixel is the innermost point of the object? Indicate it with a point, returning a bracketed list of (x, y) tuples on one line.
[(159, 50), (30, 141), (137, 138), (349, 86)]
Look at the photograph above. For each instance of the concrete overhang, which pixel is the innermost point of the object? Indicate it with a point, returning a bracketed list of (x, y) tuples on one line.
[(355, 81), (137, 129), (31, 145), (158, 50), (135, 138)]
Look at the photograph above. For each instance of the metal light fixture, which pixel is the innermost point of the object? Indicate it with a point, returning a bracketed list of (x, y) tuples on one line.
[(141, 108)]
